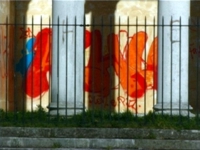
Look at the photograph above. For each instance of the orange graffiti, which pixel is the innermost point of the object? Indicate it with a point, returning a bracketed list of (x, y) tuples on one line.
[(128, 64)]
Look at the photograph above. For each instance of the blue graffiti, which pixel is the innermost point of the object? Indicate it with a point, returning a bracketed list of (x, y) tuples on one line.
[(28, 55)]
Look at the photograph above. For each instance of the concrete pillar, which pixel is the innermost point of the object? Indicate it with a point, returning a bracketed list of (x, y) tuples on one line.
[(173, 55), (67, 58)]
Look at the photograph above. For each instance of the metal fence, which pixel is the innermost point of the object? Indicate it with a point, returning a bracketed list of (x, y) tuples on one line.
[(68, 68)]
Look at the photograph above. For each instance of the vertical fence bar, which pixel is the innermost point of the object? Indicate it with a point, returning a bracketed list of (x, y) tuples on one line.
[(180, 64), (50, 64), (15, 45), (197, 74), (49, 59), (7, 74), (66, 29), (75, 67), (24, 66), (32, 50), (102, 66), (136, 69), (0, 73), (84, 46), (189, 65), (92, 54), (145, 59), (110, 59), (0, 80), (119, 45), (110, 62), (112, 93), (171, 62), (128, 61), (41, 38), (58, 64), (162, 53), (154, 62)]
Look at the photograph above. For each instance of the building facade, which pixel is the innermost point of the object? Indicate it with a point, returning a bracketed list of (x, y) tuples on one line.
[(116, 75)]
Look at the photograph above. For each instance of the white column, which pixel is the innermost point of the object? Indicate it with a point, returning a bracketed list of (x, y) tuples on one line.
[(67, 57), (173, 48)]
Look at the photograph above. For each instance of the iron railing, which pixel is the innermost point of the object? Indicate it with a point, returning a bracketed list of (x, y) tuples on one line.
[(107, 66)]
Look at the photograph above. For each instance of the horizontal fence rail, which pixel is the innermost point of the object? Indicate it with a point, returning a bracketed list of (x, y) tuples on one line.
[(73, 67)]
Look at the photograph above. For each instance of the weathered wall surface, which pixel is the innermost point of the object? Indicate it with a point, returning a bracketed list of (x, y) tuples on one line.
[(6, 54), (194, 55)]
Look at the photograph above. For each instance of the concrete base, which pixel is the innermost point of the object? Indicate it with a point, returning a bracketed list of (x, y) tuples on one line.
[(174, 109), (65, 108)]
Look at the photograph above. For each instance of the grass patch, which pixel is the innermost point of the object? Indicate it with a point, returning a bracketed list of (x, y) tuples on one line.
[(97, 119)]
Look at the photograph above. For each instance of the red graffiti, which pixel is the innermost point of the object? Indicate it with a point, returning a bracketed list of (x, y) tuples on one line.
[(97, 67), (25, 33), (100, 101), (194, 51), (36, 80), (128, 65), (3, 50), (131, 103)]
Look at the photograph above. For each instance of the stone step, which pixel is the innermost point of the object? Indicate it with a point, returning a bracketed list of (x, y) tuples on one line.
[(95, 143), (63, 149), (65, 142), (98, 139), (106, 133)]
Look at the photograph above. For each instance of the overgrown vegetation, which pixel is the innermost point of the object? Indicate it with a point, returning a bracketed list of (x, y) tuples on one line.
[(99, 119)]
